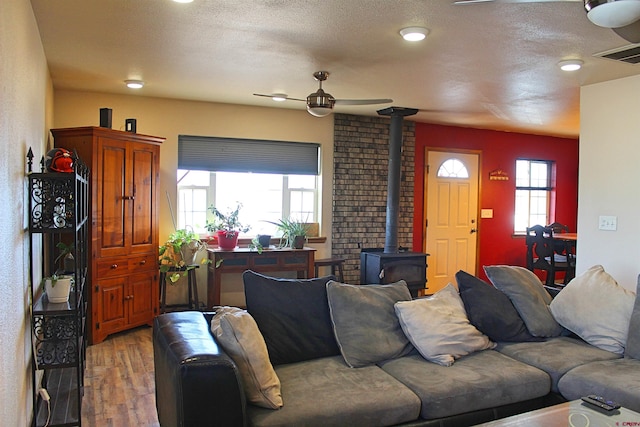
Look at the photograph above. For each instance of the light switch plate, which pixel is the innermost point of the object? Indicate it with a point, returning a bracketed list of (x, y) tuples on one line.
[(486, 213), (608, 223)]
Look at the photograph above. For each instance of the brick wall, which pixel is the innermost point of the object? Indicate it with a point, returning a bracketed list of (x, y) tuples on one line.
[(361, 159)]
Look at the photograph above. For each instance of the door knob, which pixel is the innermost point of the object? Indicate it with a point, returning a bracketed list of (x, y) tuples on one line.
[(473, 230)]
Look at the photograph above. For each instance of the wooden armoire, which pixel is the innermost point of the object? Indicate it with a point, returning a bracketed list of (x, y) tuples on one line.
[(123, 257)]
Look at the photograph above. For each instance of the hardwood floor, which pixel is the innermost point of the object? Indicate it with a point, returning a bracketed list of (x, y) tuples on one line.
[(119, 383)]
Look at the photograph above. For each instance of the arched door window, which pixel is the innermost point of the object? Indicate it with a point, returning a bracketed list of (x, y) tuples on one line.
[(453, 168)]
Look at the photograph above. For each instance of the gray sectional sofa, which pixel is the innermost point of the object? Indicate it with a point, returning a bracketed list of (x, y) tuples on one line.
[(343, 355)]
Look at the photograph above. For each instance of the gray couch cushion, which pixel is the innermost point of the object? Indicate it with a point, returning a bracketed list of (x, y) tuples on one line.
[(529, 297), (365, 322), (617, 380), (633, 340), (555, 356), (484, 379), (326, 392)]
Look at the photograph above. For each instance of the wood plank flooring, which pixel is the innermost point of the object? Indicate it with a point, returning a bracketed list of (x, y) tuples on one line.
[(119, 386)]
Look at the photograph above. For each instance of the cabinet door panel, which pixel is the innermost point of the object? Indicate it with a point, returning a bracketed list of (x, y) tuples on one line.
[(142, 300), (143, 221), (113, 189), (110, 316)]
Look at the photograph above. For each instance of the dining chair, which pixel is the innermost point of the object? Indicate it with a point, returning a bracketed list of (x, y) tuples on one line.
[(565, 247), (541, 254)]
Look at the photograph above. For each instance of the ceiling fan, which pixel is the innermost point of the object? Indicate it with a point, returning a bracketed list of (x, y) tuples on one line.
[(320, 103), (622, 16)]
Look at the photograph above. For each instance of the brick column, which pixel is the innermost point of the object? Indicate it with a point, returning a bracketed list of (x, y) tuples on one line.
[(360, 161)]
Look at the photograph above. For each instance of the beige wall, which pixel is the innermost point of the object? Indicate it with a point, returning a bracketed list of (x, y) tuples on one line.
[(609, 177), (170, 118), (25, 99)]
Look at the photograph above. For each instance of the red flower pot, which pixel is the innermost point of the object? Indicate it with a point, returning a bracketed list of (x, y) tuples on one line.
[(227, 240)]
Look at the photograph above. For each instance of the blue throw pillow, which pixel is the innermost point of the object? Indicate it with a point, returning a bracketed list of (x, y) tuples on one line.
[(491, 311), (292, 315)]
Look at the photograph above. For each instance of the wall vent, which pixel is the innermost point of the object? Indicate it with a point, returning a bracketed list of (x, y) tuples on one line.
[(629, 54)]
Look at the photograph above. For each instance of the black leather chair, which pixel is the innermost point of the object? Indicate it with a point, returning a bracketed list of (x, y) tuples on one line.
[(542, 255)]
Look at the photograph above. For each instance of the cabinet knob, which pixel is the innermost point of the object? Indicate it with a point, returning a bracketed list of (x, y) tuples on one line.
[(143, 262), (114, 266)]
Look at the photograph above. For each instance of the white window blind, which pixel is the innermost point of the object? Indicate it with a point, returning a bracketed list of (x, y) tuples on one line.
[(248, 155)]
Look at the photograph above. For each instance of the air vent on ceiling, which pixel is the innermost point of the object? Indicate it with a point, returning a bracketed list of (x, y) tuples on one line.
[(629, 54)]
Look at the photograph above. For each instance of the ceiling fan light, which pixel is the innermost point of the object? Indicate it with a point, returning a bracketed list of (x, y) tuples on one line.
[(320, 104), (570, 64), (612, 13), (319, 111), (279, 97), (134, 84), (414, 34)]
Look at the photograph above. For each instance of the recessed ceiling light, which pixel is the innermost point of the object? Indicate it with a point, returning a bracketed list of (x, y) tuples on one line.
[(570, 64), (183, 1), (134, 84), (279, 97), (414, 34)]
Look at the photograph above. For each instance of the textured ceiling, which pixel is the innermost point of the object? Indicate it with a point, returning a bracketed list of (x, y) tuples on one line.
[(486, 65)]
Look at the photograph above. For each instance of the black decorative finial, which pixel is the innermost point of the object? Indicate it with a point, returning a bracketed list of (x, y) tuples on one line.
[(29, 160)]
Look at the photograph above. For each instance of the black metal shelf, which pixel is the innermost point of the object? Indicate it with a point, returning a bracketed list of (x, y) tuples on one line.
[(58, 212)]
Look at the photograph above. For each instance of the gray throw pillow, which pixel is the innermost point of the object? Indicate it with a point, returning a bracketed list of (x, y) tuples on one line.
[(528, 296), (439, 328), (583, 309), (365, 322), (633, 340)]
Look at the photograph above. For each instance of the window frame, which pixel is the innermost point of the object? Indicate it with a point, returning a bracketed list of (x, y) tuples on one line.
[(286, 202), (549, 189)]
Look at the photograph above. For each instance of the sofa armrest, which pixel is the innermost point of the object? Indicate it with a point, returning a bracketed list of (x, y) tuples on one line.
[(197, 383)]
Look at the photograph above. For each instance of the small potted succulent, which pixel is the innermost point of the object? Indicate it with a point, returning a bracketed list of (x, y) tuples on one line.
[(227, 226)]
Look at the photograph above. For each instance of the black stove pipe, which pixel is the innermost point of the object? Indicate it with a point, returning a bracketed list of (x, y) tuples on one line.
[(397, 115)]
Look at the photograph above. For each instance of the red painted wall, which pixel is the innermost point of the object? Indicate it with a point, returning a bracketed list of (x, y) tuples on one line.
[(499, 150)]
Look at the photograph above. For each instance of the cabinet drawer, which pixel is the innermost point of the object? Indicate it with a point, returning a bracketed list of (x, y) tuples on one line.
[(141, 263), (112, 267)]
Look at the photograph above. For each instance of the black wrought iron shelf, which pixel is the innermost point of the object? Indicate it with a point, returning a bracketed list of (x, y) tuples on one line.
[(58, 213), (64, 406)]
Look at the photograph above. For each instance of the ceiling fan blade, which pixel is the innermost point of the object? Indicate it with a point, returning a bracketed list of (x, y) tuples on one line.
[(630, 33), (287, 98), (362, 101)]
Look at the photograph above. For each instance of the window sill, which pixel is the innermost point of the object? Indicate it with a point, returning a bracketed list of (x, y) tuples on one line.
[(244, 241)]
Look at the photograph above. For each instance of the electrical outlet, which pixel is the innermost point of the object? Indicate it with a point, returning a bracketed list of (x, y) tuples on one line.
[(608, 223)]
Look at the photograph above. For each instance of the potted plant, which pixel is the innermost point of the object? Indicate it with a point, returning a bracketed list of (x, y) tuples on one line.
[(227, 226), (294, 233), (68, 264), (179, 252), (57, 288), (255, 244)]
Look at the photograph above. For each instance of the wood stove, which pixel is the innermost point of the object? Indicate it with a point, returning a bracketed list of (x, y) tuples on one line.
[(388, 265), (379, 267)]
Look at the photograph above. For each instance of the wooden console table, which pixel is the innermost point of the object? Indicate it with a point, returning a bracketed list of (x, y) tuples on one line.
[(269, 261)]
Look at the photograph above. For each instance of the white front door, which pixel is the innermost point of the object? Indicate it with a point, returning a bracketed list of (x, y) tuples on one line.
[(451, 216)]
